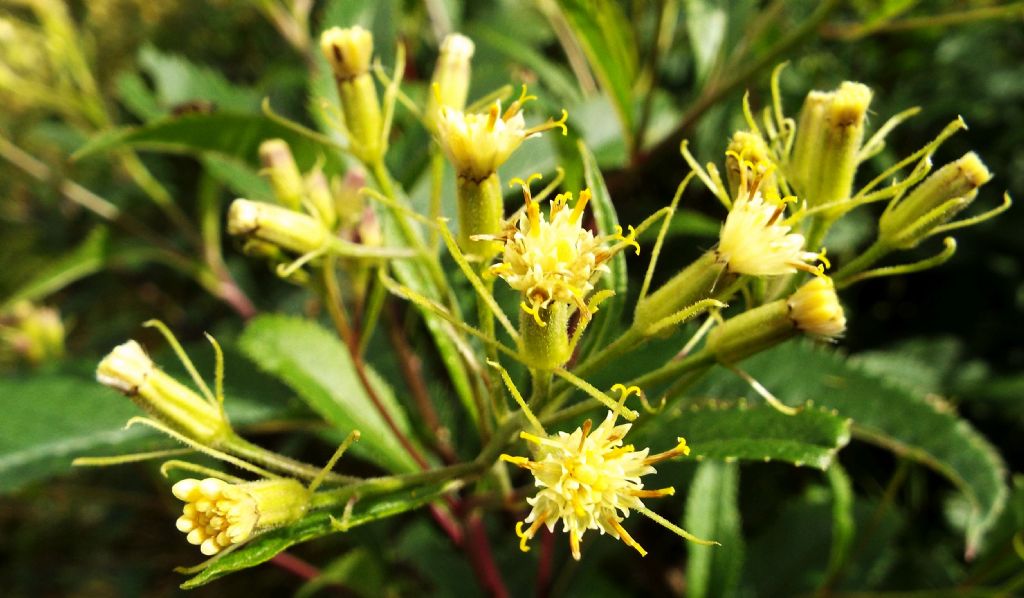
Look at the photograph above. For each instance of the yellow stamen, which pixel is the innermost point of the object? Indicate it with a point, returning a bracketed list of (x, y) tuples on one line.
[(520, 461), (574, 545), (577, 210), (526, 536), (670, 491), (517, 105), (492, 116), (627, 538), (535, 312), (551, 124)]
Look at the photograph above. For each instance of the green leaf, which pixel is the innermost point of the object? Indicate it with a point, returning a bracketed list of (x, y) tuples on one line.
[(176, 81), (617, 279), (317, 366), (843, 525), (910, 424), (52, 418), (94, 254), (359, 570), (604, 34), (706, 25), (738, 431), (712, 512), (224, 133), (239, 177), (263, 548), (553, 76)]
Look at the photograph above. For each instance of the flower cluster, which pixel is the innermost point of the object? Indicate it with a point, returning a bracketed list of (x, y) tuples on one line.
[(588, 480)]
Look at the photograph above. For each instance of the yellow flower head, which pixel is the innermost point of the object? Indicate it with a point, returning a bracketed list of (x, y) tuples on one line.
[(555, 259), (347, 50), (588, 480), (477, 144), (754, 241), (218, 514), (815, 309)]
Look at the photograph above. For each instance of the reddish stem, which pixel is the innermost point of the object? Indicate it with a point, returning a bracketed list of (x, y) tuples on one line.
[(295, 566), (478, 550), (412, 371), (544, 565)]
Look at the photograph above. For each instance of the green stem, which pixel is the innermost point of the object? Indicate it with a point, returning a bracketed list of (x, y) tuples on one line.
[(240, 447), (871, 255), (494, 387)]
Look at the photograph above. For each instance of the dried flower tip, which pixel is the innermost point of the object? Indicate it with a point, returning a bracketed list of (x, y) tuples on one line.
[(129, 370), (292, 231), (753, 240), (218, 514), (849, 104), (588, 480), (125, 368), (347, 50), (477, 144), (815, 309)]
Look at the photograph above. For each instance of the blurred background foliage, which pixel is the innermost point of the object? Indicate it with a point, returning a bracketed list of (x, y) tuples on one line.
[(670, 69)]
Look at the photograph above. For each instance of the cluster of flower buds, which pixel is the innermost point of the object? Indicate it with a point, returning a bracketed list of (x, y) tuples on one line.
[(30, 334), (312, 216)]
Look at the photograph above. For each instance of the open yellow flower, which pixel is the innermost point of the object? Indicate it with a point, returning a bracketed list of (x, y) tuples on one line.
[(478, 143), (754, 241), (590, 480), (556, 258)]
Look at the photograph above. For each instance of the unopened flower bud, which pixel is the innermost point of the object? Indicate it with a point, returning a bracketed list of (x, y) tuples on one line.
[(129, 370), (450, 83), (815, 309), (348, 202), (292, 231), (285, 178), (370, 233), (31, 333), (844, 135), (828, 138), (700, 280), (934, 202), (218, 514), (318, 190), (748, 150), (349, 52), (810, 140), (544, 335)]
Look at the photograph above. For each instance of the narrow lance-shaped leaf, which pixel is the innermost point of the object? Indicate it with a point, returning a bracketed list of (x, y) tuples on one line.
[(712, 512), (317, 366), (758, 433), (604, 33), (616, 280)]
